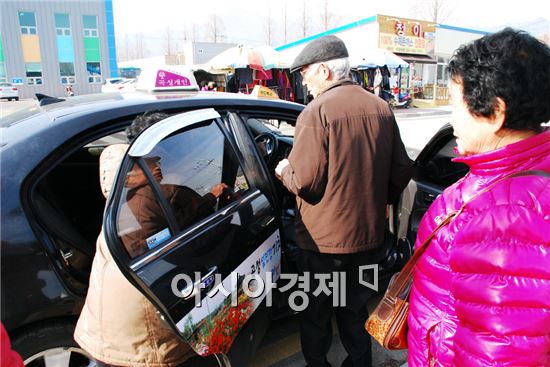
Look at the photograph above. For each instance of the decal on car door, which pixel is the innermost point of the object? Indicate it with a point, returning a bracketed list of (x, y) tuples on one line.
[(213, 324)]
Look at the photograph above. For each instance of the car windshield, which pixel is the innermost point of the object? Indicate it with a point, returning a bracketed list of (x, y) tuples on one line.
[(277, 127), (5, 85)]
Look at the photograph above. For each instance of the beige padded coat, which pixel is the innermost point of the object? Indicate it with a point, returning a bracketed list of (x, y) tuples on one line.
[(118, 325)]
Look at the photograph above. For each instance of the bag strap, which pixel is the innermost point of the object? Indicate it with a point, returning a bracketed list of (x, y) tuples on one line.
[(404, 278)]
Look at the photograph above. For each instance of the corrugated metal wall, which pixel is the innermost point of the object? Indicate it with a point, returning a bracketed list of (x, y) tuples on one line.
[(204, 51), (44, 11)]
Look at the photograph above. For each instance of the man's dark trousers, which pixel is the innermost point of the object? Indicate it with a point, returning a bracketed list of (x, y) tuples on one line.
[(315, 320)]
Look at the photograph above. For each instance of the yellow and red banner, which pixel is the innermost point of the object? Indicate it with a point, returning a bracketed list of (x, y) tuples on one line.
[(405, 35)]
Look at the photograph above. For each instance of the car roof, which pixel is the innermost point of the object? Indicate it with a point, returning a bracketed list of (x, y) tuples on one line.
[(104, 102), (38, 130), (108, 101)]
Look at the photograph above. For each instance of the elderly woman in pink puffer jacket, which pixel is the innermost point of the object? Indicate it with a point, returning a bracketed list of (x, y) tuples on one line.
[(481, 291)]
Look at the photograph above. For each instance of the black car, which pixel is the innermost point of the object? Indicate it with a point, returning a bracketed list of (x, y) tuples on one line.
[(53, 210)]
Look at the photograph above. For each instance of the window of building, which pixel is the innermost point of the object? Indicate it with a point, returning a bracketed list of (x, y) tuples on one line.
[(62, 24), (66, 70), (187, 167), (90, 25), (27, 22), (442, 74), (94, 72), (33, 72)]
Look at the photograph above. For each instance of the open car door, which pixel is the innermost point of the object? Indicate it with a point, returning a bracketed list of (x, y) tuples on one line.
[(187, 226), (434, 171)]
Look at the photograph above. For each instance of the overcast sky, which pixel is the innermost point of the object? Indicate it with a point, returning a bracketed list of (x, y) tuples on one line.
[(244, 21)]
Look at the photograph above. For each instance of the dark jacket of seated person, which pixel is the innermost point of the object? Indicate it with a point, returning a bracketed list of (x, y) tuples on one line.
[(188, 207)]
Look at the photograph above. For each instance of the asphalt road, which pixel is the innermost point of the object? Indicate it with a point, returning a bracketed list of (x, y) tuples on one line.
[(9, 107)]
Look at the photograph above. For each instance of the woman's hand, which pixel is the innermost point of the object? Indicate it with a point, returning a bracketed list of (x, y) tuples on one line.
[(218, 189)]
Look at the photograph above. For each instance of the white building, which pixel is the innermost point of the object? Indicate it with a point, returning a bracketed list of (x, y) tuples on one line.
[(426, 46)]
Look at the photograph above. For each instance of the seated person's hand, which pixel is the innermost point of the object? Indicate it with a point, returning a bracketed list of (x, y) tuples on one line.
[(218, 189), (279, 169)]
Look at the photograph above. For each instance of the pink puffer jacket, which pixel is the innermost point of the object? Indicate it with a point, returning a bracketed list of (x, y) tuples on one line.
[(481, 292)]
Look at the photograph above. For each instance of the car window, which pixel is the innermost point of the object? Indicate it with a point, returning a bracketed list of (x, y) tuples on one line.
[(5, 85), (176, 186), (277, 126), (115, 138)]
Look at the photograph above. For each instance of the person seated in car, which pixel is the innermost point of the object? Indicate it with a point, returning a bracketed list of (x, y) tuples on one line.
[(126, 335), (187, 205), (133, 334)]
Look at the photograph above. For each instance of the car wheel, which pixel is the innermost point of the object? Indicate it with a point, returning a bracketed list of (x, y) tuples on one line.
[(16, 98), (51, 345)]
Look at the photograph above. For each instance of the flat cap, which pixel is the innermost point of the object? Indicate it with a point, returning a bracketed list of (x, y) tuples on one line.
[(322, 49)]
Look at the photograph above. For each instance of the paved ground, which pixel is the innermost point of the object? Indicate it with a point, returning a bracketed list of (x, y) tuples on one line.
[(8, 107), (281, 347)]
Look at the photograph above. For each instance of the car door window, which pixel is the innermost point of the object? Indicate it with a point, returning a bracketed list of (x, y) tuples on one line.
[(186, 178)]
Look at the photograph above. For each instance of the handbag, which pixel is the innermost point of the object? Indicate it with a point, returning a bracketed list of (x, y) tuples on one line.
[(388, 322)]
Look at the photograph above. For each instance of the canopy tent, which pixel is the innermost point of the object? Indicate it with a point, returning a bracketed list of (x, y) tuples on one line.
[(362, 58), (375, 57), (242, 56)]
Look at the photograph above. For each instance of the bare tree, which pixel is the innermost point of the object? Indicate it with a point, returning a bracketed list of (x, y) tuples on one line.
[(328, 18), (285, 20), (190, 32), (436, 11), (126, 47), (139, 45), (168, 41), (214, 28), (304, 20), (269, 26)]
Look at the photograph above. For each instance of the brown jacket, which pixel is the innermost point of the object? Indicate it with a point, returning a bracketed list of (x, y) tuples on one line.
[(347, 163), (118, 325), (188, 206)]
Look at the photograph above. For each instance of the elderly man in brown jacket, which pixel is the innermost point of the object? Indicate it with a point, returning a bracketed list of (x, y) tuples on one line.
[(348, 162)]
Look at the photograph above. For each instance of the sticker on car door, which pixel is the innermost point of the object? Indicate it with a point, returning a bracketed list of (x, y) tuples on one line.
[(216, 320)]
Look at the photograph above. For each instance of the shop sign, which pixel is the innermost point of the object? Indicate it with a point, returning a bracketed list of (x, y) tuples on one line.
[(406, 35), (169, 79), (16, 81)]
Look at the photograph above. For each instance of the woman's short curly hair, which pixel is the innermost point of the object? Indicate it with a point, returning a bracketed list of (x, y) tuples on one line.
[(142, 122), (509, 64)]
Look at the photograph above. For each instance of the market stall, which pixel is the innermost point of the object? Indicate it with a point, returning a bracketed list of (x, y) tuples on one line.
[(245, 67)]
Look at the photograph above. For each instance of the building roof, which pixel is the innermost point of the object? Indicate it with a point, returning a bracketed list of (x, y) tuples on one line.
[(361, 23)]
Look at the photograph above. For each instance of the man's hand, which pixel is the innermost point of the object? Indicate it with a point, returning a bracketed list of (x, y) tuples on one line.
[(279, 169), (218, 189)]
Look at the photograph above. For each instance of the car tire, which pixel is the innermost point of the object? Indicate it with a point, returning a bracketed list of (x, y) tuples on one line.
[(52, 341), (16, 98)]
